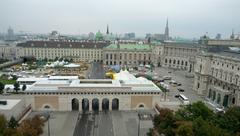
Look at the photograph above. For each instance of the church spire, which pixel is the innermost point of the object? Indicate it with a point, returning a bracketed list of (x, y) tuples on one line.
[(107, 30), (166, 31), (232, 36)]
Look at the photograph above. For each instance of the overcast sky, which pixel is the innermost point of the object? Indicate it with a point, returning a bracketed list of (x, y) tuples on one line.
[(187, 18)]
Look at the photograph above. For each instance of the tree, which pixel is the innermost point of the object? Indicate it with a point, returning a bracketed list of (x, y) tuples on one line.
[(56, 59), (185, 128), (24, 87), (12, 123), (32, 126), (16, 87), (45, 59), (3, 123), (193, 111), (165, 122), (204, 128), (230, 120), (1, 87)]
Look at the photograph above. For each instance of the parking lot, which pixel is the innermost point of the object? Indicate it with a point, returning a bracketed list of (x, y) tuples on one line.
[(180, 77)]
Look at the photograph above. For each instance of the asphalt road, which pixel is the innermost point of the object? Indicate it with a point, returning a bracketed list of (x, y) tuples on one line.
[(97, 71)]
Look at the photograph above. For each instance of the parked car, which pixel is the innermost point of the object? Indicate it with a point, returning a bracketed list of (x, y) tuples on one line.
[(172, 82), (179, 84), (180, 90), (219, 110), (167, 78), (176, 96)]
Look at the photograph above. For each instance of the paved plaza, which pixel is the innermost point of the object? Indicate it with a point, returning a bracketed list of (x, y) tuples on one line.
[(61, 124), (112, 123)]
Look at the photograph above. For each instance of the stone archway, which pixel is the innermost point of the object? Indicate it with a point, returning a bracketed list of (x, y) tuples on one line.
[(115, 104), (95, 104), (105, 104), (141, 106), (85, 104), (75, 104)]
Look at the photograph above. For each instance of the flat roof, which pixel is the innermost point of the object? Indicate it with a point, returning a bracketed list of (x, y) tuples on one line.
[(123, 79), (10, 104)]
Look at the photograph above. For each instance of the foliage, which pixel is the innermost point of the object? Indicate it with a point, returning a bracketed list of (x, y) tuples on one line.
[(165, 122), (193, 111), (29, 127), (12, 123), (32, 126), (16, 87), (7, 81), (5, 130), (3, 123), (198, 120), (184, 128), (1, 87), (24, 87), (230, 120)]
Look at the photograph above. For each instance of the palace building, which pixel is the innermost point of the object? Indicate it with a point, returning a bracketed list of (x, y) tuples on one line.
[(58, 93)]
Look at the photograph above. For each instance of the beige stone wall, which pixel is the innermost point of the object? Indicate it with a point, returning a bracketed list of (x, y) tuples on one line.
[(145, 100), (41, 101)]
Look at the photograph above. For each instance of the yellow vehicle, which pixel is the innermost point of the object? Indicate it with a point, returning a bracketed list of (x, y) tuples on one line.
[(110, 74)]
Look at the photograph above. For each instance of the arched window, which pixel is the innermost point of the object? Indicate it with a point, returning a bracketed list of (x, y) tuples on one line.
[(46, 107), (141, 106)]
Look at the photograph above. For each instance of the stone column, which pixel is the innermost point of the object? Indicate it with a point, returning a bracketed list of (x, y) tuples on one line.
[(100, 105), (110, 105), (90, 105), (80, 104)]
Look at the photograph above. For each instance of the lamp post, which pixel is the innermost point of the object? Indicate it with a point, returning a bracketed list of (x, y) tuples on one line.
[(49, 123), (138, 124)]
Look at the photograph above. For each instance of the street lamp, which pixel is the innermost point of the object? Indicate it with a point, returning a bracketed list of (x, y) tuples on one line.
[(138, 124), (49, 122)]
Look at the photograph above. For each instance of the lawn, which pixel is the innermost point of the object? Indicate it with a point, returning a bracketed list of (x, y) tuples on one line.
[(6, 81)]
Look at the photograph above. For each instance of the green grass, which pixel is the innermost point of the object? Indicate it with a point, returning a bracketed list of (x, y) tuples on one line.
[(6, 81)]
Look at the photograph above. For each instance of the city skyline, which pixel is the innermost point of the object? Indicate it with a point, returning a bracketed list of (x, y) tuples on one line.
[(215, 16)]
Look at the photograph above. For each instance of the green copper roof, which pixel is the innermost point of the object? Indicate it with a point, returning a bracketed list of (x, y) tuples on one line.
[(130, 46)]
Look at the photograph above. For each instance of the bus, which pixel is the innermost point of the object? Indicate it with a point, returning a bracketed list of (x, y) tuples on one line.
[(183, 99)]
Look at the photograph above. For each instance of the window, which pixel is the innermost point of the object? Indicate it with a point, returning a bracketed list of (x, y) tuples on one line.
[(46, 107)]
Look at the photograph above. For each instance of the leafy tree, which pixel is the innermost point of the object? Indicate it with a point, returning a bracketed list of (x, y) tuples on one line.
[(16, 87), (185, 128), (32, 127), (204, 128), (165, 122), (193, 111), (12, 123), (45, 59), (26, 128), (230, 120), (12, 132), (24, 87), (1, 87), (60, 59), (56, 59), (14, 77), (3, 124)]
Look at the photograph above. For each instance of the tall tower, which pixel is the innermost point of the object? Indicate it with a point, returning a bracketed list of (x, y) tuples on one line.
[(232, 36), (166, 31), (107, 30)]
